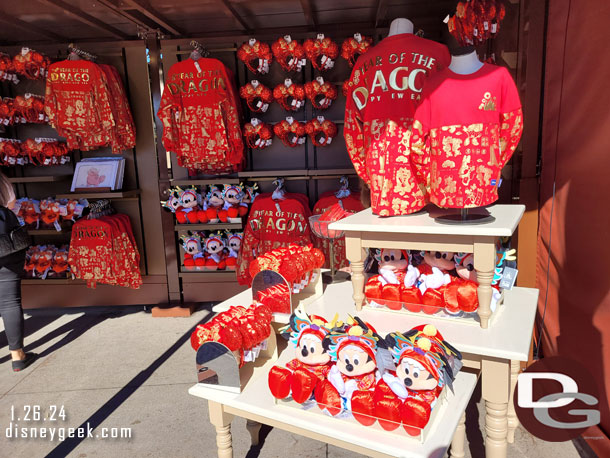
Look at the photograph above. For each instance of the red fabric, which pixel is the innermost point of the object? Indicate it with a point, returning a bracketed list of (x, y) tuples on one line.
[(200, 117), (328, 199), (574, 216), (272, 224), (385, 85), (465, 130)]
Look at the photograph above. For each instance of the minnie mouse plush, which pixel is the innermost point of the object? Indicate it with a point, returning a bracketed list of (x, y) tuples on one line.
[(312, 361)]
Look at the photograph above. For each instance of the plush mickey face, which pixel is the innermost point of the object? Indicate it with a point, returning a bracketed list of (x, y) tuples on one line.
[(214, 246), (441, 259), (235, 243), (393, 260), (192, 246), (174, 202), (353, 361), (466, 268), (188, 199), (215, 199), (233, 196), (415, 376), (311, 352)]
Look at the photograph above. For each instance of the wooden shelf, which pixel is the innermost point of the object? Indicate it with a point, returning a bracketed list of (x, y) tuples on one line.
[(49, 231), (326, 172), (207, 227), (40, 179), (209, 275), (100, 195), (298, 174), (204, 181), (50, 281), (272, 173)]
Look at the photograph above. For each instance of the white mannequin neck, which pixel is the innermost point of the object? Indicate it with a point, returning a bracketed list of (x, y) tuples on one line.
[(466, 64), (399, 26)]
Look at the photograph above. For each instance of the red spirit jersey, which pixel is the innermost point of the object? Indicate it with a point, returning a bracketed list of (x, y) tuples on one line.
[(466, 129), (200, 117), (272, 224), (383, 92)]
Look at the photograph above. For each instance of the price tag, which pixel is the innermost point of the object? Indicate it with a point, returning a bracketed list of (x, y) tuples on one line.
[(287, 82), (320, 80), (259, 104), (288, 38), (330, 139), (320, 119), (254, 83), (63, 210), (509, 276), (358, 37), (494, 27), (320, 36), (255, 121), (290, 119), (264, 107), (24, 51), (252, 41), (485, 25)]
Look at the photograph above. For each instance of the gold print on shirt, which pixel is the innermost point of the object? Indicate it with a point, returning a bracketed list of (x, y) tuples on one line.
[(488, 103)]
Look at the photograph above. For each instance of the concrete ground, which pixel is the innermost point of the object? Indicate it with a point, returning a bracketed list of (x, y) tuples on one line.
[(121, 368)]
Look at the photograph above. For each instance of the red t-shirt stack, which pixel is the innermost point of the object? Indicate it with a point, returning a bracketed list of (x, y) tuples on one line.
[(383, 92), (273, 224), (103, 250), (200, 116), (466, 129), (351, 203), (86, 104)]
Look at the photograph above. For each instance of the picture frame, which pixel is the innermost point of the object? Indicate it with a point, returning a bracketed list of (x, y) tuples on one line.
[(98, 174)]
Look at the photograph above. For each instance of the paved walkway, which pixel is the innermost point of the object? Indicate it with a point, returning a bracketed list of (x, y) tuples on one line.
[(121, 368)]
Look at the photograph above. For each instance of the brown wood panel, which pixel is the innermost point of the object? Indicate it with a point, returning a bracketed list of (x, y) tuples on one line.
[(210, 292)]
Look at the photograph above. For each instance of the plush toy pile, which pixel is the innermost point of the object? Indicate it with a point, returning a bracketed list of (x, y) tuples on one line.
[(338, 366), (39, 151), (47, 261), (221, 203), (210, 251), (442, 283), (239, 329), (295, 263), (475, 21), (28, 63), (48, 213)]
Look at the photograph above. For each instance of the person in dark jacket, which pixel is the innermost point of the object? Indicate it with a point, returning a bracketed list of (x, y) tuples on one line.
[(11, 269)]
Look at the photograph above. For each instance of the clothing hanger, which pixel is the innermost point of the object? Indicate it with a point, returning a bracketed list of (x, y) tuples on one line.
[(75, 53), (199, 51), (344, 191), (279, 193)]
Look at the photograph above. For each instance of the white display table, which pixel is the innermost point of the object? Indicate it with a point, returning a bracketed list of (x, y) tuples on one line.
[(256, 403), (495, 353), (421, 232)]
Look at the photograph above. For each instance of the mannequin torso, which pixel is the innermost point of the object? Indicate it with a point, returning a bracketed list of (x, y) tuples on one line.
[(400, 25), (465, 64)]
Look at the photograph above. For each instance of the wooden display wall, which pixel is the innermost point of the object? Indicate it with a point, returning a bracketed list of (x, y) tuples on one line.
[(139, 198)]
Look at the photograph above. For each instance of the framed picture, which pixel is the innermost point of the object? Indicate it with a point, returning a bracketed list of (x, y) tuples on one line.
[(96, 174)]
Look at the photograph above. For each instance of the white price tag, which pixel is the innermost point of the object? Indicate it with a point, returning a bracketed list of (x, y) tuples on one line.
[(320, 36), (288, 38), (320, 119), (290, 119), (320, 80), (254, 83), (252, 41), (264, 107), (255, 121), (328, 140)]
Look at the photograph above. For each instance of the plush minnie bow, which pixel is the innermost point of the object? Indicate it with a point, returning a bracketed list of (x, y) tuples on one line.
[(291, 132), (258, 134), (45, 151), (321, 131), (289, 53), (30, 108), (31, 64), (257, 96), (355, 46), (289, 95), (320, 93), (321, 51), (256, 55)]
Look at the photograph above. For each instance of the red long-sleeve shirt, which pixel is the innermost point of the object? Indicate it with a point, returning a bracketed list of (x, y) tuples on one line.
[(465, 130)]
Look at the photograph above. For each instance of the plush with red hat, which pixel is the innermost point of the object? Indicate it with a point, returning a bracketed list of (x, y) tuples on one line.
[(425, 363), (348, 387), (234, 246), (214, 203), (233, 195), (312, 361), (194, 256), (214, 247)]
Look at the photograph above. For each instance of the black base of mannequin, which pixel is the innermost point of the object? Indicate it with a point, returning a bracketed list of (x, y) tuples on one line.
[(481, 216)]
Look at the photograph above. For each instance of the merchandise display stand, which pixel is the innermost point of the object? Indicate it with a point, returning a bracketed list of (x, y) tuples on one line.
[(493, 353), (256, 404), (419, 231)]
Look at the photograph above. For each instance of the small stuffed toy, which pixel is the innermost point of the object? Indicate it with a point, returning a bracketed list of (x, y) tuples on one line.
[(433, 275), (425, 363), (354, 374), (250, 193), (233, 195), (189, 211), (214, 247), (59, 265), (173, 204), (214, 204), (194, 258), (312, 361), (386, 287), (234, 245)]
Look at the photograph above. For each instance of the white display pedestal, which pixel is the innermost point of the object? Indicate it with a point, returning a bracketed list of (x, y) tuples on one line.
[(421, 232)]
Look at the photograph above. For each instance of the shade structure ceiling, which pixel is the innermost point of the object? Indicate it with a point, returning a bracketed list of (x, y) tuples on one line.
[(58, 21)]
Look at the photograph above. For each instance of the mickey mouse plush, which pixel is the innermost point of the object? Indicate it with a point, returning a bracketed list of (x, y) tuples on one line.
[(193, 252), (312, 361), (214, 246), (388, 288), (425, 364)]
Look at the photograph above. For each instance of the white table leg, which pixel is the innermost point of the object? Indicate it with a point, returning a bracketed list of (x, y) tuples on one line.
[(458, 444), (222, 421), (495, 379), (356, 256), (484, 263), (254, 428), (513, 421)]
